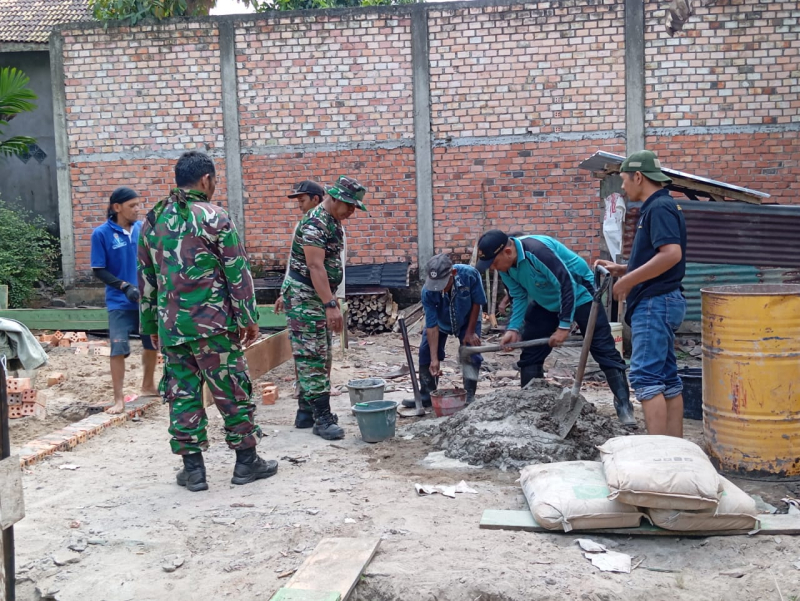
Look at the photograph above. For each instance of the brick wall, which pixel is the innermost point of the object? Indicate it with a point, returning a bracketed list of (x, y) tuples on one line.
[(520, 93)]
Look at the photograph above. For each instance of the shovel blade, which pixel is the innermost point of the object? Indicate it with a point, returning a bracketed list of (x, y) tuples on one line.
[(567, 411)]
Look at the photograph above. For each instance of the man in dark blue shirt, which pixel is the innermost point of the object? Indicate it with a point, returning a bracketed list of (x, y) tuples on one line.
[(452, 298), (651, 284), (114, 246)]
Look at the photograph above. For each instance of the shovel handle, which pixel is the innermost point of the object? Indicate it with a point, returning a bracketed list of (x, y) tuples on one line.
[(490, 348)]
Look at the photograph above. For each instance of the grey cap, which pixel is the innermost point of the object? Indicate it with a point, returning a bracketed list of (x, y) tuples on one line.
[(438, 272)]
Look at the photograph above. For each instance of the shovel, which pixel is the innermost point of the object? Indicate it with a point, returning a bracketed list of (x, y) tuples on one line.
[(419, 410), (470, 371), (571, 402)]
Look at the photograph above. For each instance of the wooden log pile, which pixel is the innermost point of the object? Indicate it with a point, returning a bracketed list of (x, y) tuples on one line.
[(371, 313)]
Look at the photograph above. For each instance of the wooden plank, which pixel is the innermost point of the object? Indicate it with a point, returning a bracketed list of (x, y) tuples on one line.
[(501, 519), (3, 297), (97, 319), (290, 594), (335, 565), (12, 503), (262, 356)]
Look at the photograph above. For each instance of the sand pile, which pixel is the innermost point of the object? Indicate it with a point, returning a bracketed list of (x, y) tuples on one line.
[(512, 429)]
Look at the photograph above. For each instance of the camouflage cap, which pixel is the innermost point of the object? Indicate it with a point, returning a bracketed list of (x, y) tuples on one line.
[(645, 161), (348, 190)]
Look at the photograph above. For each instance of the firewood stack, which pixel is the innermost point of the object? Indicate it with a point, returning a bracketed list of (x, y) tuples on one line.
[(371, 313)]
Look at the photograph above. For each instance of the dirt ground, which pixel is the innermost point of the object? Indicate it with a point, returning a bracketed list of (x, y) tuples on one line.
[(121, 506)]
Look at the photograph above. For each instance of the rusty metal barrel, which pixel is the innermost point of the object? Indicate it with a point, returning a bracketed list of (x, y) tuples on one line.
[(751, 379)]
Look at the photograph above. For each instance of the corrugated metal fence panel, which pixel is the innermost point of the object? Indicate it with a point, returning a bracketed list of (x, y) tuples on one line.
[(730, 233), (705, 275)]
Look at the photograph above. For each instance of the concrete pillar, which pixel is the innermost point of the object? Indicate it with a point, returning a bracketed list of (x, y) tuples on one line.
[(634, 76), (230, 124), (422, 133), (63, 182)]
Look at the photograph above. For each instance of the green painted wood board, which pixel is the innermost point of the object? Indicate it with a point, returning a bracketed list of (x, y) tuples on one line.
[(295, 594), (502, 519)]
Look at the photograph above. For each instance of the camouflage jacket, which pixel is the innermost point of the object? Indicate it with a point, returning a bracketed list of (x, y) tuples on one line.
[(194, 275), (318, 228)]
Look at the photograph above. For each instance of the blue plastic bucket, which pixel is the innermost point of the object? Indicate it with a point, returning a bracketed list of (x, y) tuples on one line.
[(376, 419)]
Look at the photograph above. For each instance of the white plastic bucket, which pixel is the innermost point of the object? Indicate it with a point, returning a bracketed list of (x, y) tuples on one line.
[(616, 332)]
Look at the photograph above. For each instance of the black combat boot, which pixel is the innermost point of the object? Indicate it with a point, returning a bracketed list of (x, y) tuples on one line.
[(618, 383), (193, 474), (529, 372), (471, 386), (326, 423), (305, 414), (250, 467)]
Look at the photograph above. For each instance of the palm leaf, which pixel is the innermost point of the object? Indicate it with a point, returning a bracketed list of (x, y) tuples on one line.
[(15, 146), (15, 96)]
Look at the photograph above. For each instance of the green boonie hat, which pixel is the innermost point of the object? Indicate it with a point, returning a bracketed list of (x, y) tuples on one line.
[(645, 161), (348, 190)]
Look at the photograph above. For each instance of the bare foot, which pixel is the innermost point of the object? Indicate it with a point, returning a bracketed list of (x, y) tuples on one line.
[(149, 392), (116, 408)]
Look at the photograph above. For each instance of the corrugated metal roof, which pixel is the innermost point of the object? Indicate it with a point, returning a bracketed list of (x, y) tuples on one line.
[(599, 160), (703, 275), (733, 233), (384, 275), (31, 21)]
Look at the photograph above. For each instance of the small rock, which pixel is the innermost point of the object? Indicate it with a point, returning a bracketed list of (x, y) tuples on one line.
[(58, 302), (172, 563), (96, 541), (349, 521), (47, 592), (224, 521), (63, 558), (312, 511), (78, 545), (136, 419), (550, 581), (300, 549)]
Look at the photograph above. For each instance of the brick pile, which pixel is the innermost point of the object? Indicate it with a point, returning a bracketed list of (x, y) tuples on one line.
[(23, 400)]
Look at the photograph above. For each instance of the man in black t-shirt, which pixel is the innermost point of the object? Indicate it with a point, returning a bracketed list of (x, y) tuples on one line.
[(651, 283)]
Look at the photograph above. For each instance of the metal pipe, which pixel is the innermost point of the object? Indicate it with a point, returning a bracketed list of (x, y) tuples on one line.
[(5, 452)]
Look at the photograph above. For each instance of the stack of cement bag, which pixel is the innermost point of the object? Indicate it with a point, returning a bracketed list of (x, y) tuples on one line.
[(667, 481)]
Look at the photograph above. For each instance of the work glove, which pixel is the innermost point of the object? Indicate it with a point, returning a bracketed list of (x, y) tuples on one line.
[(131, 293)]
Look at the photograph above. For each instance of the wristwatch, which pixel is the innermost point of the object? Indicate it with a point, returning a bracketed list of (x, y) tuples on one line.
[(331, 304)]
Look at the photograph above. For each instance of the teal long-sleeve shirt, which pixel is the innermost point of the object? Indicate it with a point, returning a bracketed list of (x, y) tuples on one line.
[(549, 274)]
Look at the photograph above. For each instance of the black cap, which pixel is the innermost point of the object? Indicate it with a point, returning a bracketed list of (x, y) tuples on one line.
[(438, 271), (490, 245), (307, 187)]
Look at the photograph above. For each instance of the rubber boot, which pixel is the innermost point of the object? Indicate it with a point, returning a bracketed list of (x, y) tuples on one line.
[(325, 422), (471, 386), (193, 474), (250, 467), (529, 372), (305, 416), (618, 383), (427, 384)]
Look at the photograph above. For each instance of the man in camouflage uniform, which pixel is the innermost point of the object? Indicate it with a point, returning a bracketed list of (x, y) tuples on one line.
[(198, 302), (309, 295)]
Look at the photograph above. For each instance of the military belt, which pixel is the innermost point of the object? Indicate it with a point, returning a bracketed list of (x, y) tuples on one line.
[(307, 281)]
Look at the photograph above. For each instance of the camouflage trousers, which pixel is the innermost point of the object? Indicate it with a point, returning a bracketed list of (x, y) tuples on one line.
[(219, 362), (311, 341)]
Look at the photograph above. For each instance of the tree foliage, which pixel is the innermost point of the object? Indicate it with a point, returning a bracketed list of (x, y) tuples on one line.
[(134, 11), (28, 253), (15, 98)]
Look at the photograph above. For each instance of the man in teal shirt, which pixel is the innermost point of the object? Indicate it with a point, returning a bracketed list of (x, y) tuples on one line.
[(551, 287)]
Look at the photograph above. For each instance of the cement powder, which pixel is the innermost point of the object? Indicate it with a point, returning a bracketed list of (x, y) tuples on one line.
[(511, 428)]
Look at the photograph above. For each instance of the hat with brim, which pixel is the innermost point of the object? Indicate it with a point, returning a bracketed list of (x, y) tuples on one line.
[(490, 245), (307, 187), (646, 163), (438, 271), (348, 190)]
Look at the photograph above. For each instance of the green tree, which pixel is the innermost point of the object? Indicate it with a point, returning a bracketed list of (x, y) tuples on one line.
[(28, 253), (134, 11), (15, 98)]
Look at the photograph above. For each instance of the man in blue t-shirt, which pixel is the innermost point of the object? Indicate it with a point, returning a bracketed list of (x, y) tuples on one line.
[(114, 246), (651, 284), (452, 298)]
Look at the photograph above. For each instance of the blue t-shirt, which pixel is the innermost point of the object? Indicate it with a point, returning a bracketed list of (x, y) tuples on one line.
[(660, 222), (450, 311), (115, 250)]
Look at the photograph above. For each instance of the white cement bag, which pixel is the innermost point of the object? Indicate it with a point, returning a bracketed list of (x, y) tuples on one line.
[(613, 223), (572, 495), (663, 472), (736, 511)]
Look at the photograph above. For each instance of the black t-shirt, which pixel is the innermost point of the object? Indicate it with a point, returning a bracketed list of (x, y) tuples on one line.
[(660, 222)]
